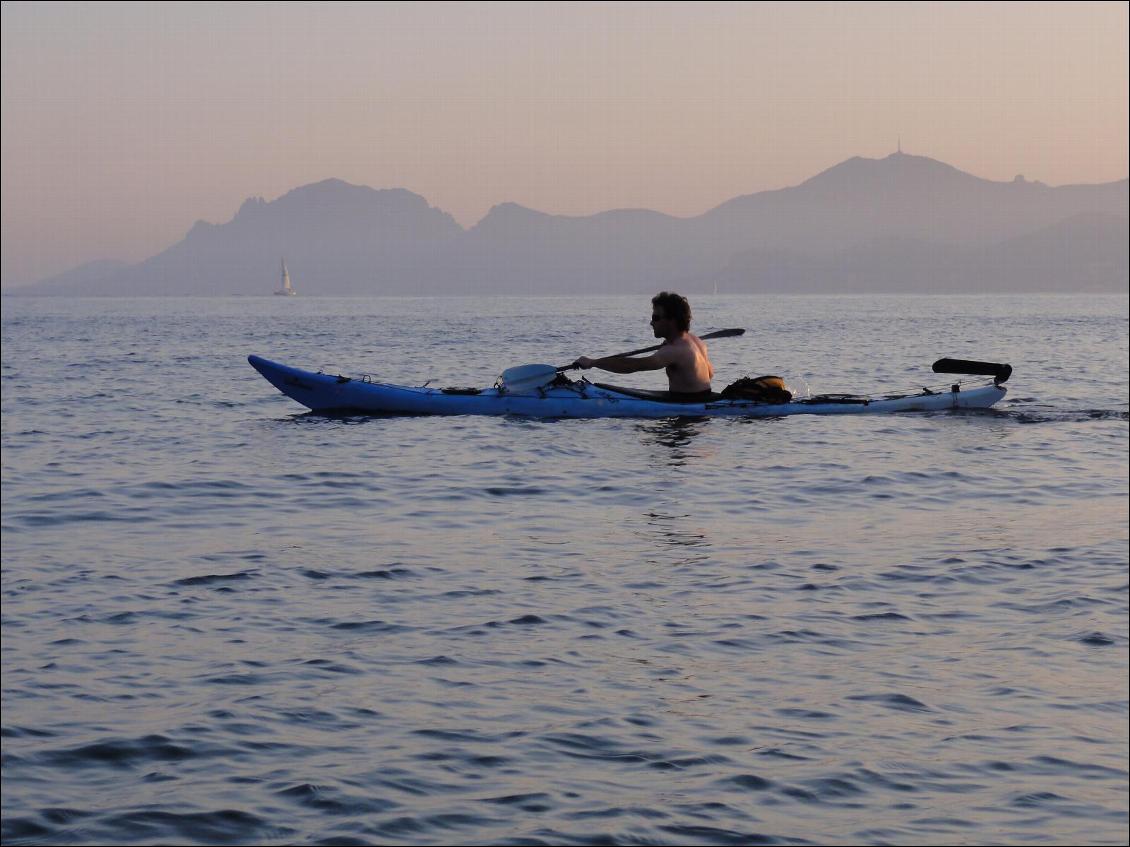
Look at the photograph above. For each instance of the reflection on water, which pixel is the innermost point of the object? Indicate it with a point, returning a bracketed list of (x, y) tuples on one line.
[(671, 523), (681, 535), (674, 436)]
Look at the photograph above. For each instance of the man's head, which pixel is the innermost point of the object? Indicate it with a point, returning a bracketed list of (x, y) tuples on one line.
[(670, 314)]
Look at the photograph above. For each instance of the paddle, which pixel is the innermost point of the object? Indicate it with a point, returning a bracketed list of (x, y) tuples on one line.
[(534, 376), (722, 333)]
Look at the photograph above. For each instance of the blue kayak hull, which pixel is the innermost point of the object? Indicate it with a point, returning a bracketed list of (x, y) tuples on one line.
[(326, 393)]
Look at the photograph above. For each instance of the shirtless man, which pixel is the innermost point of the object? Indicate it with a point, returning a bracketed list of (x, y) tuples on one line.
[(683, 355)]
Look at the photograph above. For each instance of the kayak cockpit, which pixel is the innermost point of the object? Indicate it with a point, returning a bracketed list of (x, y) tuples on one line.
[(662, 396)]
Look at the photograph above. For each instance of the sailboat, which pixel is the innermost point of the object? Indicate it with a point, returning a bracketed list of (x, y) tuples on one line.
[(286, 290)]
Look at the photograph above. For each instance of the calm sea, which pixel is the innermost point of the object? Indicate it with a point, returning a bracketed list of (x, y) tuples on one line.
[(229, 621)]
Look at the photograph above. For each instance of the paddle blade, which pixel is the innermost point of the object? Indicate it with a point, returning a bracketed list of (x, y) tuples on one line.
[(525, 378), (722, 333), (999, 372)]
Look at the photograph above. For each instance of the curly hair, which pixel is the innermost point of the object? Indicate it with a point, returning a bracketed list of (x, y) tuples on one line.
[(676, 307)]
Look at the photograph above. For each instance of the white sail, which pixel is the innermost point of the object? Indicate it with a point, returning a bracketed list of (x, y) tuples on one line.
[(287, 290)]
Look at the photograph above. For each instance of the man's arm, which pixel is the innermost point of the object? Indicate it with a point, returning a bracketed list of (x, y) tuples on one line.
[(628, 364)]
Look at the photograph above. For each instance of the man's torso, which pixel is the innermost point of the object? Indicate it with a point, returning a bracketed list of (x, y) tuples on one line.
[(691, 371)]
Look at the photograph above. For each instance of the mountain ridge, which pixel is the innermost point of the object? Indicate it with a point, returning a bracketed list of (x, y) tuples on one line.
[(343, 238)]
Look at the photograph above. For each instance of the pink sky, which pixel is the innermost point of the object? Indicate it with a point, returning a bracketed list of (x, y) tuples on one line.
[(124, 123)]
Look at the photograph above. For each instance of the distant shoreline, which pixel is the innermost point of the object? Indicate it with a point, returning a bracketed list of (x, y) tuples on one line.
[(706, 296)]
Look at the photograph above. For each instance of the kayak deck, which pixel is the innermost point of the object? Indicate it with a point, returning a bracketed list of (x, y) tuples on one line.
[(582, 399)]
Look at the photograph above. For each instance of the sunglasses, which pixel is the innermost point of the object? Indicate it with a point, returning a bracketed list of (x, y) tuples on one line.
[(657, 318)]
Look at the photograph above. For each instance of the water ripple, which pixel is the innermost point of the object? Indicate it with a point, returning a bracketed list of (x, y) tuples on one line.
[(227, 621)]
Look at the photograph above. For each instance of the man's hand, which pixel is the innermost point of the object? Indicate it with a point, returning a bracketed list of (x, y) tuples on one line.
[(584, 363)]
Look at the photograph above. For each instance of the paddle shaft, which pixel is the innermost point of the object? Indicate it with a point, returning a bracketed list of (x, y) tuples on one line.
[(722, 333)]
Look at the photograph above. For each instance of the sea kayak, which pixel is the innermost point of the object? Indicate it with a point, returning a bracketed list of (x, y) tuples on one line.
[(583, 399)]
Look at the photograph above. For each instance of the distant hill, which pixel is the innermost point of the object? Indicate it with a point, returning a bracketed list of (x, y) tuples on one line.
[(900, 223), (337, 238), (1087, 252), (81, 278), (902, 196)]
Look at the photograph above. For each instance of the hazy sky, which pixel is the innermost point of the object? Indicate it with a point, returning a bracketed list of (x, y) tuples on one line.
[(123, 124)]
